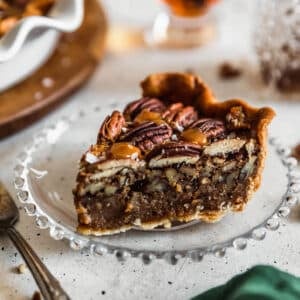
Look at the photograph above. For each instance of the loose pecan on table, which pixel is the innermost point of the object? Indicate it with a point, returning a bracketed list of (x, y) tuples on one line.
[(229, 71)]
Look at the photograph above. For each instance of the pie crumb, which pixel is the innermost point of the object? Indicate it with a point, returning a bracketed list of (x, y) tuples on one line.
[(22, 268)]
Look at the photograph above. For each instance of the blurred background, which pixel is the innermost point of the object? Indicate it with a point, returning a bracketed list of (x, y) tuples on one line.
[(241, 37)]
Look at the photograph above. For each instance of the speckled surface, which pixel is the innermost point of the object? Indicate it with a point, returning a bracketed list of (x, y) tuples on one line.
[(87, 277)]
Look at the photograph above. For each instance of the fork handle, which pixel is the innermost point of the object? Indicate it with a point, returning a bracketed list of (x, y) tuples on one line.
[(49, 286)]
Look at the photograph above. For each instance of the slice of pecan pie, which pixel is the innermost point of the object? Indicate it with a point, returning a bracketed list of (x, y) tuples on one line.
[(177, 154)]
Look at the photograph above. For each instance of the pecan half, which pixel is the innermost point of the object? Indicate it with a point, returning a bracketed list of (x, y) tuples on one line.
[(210, 127), (147, 103), (147, 135), (180, 117), (111, 127), (173, 153), (237, 119)]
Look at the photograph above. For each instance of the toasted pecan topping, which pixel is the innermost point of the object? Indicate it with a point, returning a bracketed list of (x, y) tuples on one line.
[(179, 116), (111, 127), (210, 127), (147, 135), (147, 103)]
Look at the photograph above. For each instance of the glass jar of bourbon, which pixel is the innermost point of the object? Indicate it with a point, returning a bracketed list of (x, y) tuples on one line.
[(183, 24)]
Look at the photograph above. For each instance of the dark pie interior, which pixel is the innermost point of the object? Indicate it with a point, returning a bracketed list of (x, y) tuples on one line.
[(176, 154)]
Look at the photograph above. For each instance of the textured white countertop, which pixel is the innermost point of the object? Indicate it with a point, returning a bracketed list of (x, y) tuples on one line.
[(87, 277)]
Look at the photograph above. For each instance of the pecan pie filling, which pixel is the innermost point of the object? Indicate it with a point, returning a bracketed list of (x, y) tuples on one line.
[(11, 11), (162, 160)]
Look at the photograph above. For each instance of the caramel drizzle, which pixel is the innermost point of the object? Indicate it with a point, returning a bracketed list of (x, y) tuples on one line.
[(124, 150)]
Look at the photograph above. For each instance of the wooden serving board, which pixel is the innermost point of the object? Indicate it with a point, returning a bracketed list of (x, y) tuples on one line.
[(73, 62)]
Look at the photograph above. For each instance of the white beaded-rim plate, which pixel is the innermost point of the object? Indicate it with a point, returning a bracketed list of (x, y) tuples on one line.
[(45, 175)]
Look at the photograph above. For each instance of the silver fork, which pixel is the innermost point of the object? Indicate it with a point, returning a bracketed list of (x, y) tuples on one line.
[(9, 215)]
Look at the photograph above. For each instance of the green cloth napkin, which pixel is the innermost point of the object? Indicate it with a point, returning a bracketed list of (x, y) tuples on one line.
[(259, 283)]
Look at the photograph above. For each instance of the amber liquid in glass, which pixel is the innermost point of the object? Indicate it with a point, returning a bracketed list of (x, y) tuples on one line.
[(184, 24), (189, 8)]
